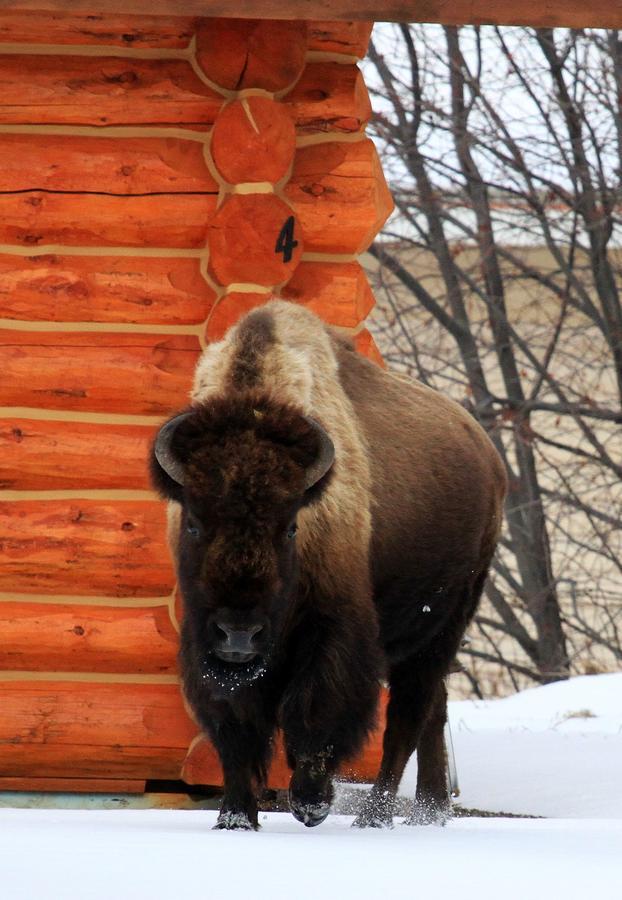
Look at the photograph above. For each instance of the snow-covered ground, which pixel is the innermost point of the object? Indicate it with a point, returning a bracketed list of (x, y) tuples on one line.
[(172, 855), (549, 751), (554, 751)]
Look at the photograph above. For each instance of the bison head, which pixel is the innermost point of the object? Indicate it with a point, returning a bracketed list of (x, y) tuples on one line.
[(241, 469)]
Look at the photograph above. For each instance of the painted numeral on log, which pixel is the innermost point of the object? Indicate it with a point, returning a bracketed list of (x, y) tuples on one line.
[(285, 242)]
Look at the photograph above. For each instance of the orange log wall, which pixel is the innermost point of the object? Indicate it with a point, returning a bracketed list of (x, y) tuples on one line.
[(158, 177)]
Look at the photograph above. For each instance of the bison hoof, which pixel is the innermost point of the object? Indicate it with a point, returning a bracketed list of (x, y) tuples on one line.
[(373, 820), (429, 814), (311, 791), (310, 814), (234, 821), (377, 810)]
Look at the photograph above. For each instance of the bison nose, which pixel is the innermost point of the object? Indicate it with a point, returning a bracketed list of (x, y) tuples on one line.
[(237, 644)]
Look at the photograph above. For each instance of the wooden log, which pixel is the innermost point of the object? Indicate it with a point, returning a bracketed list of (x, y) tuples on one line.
[(329, 97), (365, 765), (121, 730), (178, 606), (50, 728), (141, 32), (202, 765), (149, 291), (37, 218), (38, 454), (102, 761), (95, 714), (228, 310), (349, 38), (119, 29), (339, 195), (103, 165), (246, 53), (86, 547), (81, 90), (143, 374), (253, 140), (366, 345), (66, 637), (534, 13), (338, 292), (74, 785), (103, 90), (254, 238)]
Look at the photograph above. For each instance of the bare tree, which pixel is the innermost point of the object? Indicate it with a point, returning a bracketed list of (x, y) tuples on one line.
[(498, 282)]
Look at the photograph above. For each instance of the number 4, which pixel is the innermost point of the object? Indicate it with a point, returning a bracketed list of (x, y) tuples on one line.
[(285, 242)]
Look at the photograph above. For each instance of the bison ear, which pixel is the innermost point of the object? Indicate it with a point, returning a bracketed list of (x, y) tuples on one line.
[(167, 471)]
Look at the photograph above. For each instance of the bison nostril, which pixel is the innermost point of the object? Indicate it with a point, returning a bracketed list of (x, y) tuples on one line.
[(221, 633), (254, 631)]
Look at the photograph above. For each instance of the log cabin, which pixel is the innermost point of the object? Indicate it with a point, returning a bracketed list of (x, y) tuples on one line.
[(165, 166)]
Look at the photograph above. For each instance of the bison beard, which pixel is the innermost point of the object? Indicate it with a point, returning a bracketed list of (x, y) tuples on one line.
[(293, 631)]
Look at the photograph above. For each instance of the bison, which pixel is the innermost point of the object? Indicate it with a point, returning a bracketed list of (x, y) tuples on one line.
[(332, 525)]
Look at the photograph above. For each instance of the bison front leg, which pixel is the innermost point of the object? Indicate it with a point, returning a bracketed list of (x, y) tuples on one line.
[(311, 787), (244, 751), (328, 710)]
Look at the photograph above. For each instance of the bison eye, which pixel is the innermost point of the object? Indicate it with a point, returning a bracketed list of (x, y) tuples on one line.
[(192, 530), (291, 531)]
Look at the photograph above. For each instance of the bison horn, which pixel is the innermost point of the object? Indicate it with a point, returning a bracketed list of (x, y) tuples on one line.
[(163, 451), (325, 457)]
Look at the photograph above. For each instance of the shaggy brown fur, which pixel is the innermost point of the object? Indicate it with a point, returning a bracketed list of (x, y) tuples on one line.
[(252, 346), (390, 558)]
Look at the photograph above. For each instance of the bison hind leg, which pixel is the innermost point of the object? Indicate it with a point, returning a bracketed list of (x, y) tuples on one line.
[(417, 706), (429, 814), (432, 803), (377, 810)]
